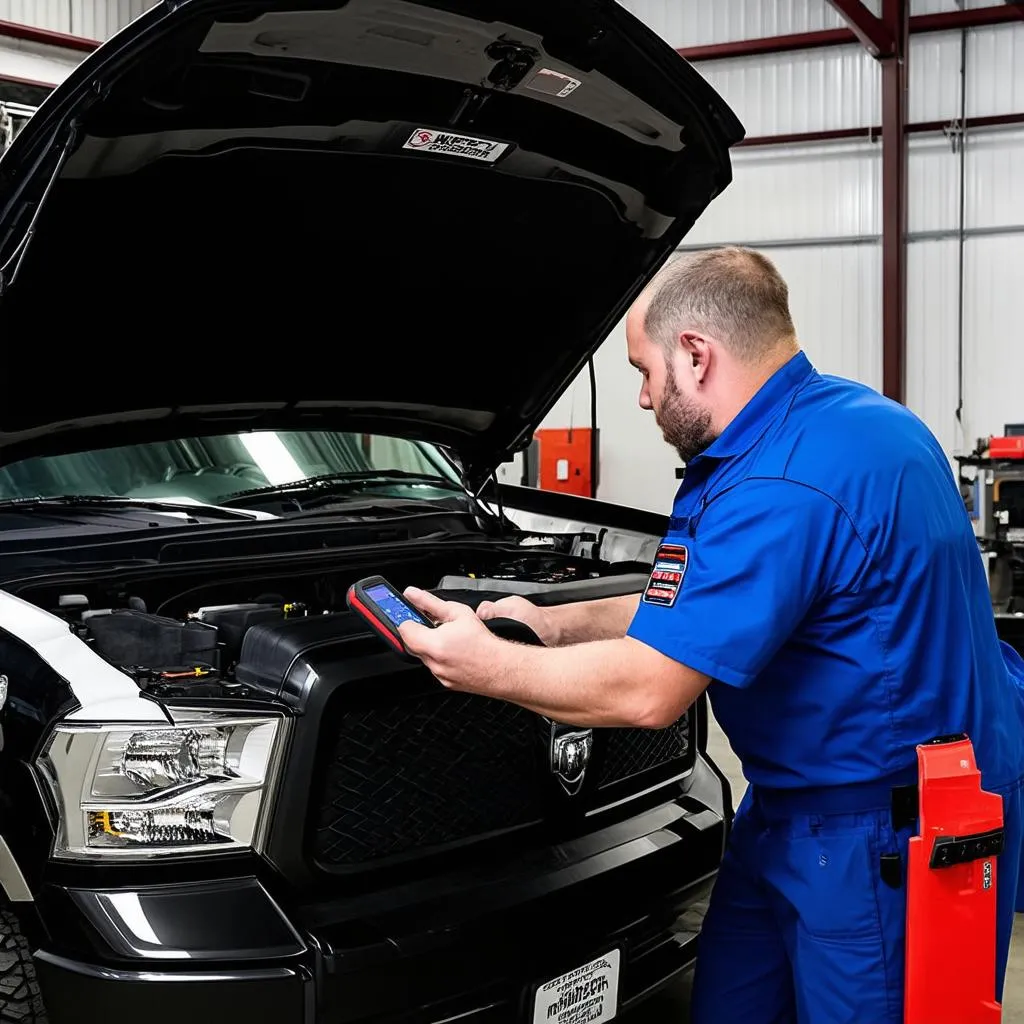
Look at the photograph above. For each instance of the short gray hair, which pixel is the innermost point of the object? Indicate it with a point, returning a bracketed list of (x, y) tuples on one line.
[(735, 295)]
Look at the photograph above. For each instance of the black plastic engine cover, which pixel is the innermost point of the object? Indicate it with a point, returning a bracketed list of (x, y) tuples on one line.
[(129, 637)]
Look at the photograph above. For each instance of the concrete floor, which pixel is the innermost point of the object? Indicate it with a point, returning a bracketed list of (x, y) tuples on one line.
[(672, 1006)]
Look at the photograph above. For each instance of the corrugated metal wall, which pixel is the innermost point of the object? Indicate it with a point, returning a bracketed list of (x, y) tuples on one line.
[(700, 22), (87, 19), (92, 19), (816, 210)]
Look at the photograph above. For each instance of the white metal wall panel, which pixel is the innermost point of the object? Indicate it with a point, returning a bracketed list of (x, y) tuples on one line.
[(700, 22), (995, 83), (836, 299), (100, 19), (933, 184), (51, 14), (810, 90), (798, 192), (995, 171), (993, 335), (995, 70), (938, 6), (934, 69), (33, 63), (932, 317), (840, 87), (993, 348), (92, 19)]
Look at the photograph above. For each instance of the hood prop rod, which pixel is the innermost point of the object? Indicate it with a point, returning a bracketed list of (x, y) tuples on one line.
[(9, 271)]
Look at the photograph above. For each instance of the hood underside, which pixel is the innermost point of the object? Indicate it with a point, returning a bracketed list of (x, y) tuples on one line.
[(417, 218)]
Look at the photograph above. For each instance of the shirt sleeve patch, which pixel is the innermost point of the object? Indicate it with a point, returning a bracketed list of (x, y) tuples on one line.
[(667, 574)]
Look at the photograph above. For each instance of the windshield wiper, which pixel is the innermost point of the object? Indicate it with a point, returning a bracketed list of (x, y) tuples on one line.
[(87, 502), (334, 483)]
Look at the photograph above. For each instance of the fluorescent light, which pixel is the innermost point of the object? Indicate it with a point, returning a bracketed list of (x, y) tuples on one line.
[(271, 456)]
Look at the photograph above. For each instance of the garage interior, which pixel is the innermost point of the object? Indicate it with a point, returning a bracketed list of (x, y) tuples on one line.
[(880, 171)]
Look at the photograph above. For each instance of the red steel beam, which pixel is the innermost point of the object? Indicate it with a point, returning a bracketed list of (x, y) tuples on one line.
[(874, 132), (896, 15), (951, 21), (988, 121), (872, 32), (770, 44), (16, 80), (944, 21), (798, 138), (46, 37)]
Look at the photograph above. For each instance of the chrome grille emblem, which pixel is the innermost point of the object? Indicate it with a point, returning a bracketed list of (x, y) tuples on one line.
[(570, 755)]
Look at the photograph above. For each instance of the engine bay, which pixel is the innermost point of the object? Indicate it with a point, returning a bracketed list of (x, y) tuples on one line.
[(184, 637)]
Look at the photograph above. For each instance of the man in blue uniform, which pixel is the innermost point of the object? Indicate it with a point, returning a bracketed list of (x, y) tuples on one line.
[(820, 578)]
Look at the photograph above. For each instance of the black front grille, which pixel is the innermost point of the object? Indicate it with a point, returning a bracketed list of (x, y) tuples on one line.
[(630, 752), (429, 770), (442, 768)]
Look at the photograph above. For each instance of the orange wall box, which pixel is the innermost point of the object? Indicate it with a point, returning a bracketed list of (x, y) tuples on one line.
[(565, 459)]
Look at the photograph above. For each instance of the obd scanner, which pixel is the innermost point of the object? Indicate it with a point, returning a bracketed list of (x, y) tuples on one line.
[(384, 609)]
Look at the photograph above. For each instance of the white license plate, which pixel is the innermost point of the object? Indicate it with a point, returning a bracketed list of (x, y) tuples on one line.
[(586, 995)]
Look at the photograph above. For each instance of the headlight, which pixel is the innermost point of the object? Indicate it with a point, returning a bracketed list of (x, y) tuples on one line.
[(201, 785)]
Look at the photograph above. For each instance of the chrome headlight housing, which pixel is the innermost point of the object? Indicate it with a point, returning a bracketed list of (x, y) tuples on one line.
[(139, 790)]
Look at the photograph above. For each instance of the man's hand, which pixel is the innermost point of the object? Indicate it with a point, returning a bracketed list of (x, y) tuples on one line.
[(460, 651), (538, 619)]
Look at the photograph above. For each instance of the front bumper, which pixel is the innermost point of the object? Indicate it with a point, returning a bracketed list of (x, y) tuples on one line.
[(471, 947)]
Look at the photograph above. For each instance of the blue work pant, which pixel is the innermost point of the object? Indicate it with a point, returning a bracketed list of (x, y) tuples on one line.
[(802, 929)]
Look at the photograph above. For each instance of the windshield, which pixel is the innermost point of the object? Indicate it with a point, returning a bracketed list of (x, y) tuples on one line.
[(211, 469)]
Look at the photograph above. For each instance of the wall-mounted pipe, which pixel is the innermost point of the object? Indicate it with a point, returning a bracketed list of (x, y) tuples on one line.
[(958, 134)]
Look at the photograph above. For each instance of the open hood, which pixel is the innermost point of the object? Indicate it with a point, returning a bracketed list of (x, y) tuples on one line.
[(415, 217)]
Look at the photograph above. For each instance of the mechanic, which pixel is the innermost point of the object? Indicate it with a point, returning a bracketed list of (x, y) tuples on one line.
[(820, 578)]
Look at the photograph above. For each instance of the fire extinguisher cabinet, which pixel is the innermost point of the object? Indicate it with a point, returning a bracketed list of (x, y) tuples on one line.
[(566, 460)]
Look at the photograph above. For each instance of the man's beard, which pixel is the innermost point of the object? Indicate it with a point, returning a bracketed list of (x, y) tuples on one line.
[(684, 424)]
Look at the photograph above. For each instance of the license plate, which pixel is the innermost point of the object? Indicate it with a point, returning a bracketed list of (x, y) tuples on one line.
[(586, 995)]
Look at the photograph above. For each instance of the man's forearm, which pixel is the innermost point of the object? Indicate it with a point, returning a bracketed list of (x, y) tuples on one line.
[(604, 619), (605, 683), (616, 682)]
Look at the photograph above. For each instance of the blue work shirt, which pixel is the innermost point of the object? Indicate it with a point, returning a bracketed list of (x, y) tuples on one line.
[(820, 567)]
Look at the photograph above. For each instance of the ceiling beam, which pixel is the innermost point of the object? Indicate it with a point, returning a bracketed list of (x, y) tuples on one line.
[(873, 33), (942, 21)]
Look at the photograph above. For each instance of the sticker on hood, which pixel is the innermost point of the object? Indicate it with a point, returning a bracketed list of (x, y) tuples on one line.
[(553, 83), (431, 140)]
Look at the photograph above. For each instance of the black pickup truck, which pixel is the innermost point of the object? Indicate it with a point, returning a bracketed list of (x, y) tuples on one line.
[(320, 268)]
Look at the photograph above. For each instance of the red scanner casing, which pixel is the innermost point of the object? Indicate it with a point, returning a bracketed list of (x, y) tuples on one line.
[(359, 601)]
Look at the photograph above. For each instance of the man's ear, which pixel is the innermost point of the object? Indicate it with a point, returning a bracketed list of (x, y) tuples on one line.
[(696, 352)]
